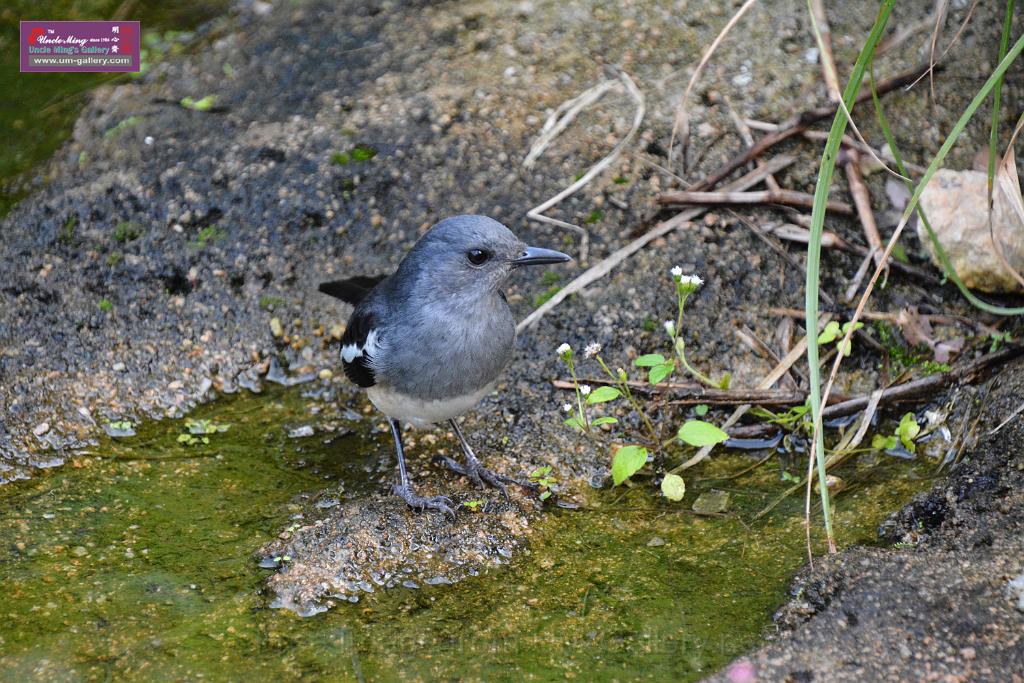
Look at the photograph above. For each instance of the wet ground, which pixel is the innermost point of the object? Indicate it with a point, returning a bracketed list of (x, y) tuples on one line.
[(148, 558), (169, 256)]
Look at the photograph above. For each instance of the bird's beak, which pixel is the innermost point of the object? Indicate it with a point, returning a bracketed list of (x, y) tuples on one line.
[(535, 256)]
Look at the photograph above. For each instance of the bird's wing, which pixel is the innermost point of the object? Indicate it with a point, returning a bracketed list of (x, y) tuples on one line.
[(358, 345), (351, 290)]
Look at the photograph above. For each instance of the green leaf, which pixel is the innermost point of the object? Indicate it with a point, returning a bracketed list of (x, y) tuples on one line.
[(627, 461), (701, 410), (649, 360), (604, 421), (908, 431), (541, 472), (673, 487), (700, 433), (660, 372), (883, 442), (204, 104), (725, 381), (830, 333), (603, 395), (575, 423), (544, 495)]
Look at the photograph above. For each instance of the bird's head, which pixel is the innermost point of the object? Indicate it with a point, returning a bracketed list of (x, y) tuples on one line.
[(471, 254)]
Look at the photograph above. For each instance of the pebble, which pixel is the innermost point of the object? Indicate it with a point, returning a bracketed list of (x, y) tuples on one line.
[(41, 428), (656, 542), (325, 374), (119, 367), (275, 327), (300, 432)]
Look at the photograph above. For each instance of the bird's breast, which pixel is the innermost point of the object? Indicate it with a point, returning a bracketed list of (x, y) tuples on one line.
[(421, 412)]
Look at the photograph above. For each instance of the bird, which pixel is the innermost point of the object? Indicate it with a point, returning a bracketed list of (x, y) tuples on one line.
[(429, 341)]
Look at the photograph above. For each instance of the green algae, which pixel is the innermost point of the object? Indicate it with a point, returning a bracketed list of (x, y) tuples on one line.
[(138, 563)]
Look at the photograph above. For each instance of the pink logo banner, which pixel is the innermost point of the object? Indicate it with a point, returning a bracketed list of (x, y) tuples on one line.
[(79, 46)]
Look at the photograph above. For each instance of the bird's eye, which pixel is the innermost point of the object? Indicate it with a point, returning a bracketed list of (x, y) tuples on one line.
[(478, 256)]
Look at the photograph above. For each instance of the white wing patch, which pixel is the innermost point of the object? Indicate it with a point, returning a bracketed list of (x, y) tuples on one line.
[(349, 352)]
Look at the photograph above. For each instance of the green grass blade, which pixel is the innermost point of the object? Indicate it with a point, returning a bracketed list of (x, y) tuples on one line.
[(997, 95), (883, 123), (828, 163)]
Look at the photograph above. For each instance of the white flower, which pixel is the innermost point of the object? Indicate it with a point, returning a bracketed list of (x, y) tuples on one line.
[(692, 280), (670, 327), (585, 389), (676, 272), (567, 407), (592, 350), (564, 349)]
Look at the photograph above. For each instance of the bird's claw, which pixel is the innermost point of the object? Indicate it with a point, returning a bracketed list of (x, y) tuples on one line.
[(481, 476), (438, 503)]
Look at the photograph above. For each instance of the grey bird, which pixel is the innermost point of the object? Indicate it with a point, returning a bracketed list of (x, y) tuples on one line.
[(429, 341)]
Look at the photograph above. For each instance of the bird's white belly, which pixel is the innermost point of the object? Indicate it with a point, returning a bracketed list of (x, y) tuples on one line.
[(419, 412)]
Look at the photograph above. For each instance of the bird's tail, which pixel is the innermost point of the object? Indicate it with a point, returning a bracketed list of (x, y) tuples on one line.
[(351, 290)]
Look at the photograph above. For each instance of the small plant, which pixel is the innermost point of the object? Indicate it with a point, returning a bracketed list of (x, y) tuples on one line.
[(998, 339), (114, 257), (122, 425), (208, 235), (543, 479), (833, 332), (593, 217), (269, 303), (906, 431), (203, 104), (473, 505), (199, 431), (357, 153), (106, 306), (67, 231), (797, 417), (121, 126), (282, 559), (628, 459), (126, 231)]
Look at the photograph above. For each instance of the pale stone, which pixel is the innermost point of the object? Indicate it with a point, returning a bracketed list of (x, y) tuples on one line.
[(955, 203)]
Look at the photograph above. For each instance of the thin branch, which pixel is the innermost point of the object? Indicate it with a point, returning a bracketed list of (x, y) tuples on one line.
[(783, 197), (605, 266), (555, 125), (796, 125), (682, 119)]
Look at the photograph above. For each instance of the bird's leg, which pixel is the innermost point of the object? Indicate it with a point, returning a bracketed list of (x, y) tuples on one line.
[(404, 490), (475, 471)]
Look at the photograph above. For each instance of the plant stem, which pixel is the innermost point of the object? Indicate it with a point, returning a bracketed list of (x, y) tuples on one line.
[(579, 397), (701, 377), (624, 387), (828, 162)]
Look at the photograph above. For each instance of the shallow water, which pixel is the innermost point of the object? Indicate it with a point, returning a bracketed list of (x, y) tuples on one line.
[(141, 564)]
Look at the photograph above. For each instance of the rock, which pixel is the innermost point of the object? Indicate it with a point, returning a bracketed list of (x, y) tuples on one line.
[(41, 428), (300, 432), (955, 204), (1015, 591), (711, 502), (656, 542), (275, 327)]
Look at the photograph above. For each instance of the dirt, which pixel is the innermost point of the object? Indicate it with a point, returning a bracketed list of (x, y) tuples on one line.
[(937, 605), (230, 218)]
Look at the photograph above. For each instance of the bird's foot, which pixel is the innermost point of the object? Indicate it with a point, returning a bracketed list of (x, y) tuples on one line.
[(482, 477), (438, 503)]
